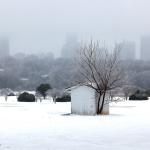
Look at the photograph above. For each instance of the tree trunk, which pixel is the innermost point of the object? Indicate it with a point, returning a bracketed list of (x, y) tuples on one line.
[(102, 104), (6, 98), (54, 100), (98, 104), (44, 96)]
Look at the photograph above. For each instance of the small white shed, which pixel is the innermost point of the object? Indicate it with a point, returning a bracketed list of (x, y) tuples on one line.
[(83, 101)]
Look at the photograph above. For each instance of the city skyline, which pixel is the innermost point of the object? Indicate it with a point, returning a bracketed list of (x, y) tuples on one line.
[(42, 25)]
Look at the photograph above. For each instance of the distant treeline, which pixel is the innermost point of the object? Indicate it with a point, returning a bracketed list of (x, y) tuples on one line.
[(26, 72)]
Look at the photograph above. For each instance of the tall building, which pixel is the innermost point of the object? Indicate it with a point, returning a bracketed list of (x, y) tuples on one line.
[(145, 48), (4, 47), (70, 47), (128, 50)]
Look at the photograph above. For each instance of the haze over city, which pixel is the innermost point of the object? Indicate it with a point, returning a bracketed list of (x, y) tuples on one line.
[(74, 74), (35, 26)]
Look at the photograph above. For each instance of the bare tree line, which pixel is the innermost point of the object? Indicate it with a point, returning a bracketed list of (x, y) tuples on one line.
[(27, 72)]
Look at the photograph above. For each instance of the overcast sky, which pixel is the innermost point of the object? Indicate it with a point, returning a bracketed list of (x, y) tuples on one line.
[(42, 25)]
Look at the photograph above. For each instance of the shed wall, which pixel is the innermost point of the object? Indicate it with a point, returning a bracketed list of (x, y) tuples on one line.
[(83, 101)]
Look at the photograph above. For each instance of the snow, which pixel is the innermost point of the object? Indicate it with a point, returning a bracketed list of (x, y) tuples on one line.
[(47, 126)]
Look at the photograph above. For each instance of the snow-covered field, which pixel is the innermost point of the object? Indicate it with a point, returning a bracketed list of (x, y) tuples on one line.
[(46, 126)]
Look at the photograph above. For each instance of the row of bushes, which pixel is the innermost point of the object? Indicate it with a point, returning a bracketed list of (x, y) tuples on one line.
[(64, 98), (139, 95), (26, 97)]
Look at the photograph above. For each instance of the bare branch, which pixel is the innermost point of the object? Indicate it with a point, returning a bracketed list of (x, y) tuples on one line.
[(100, 69)]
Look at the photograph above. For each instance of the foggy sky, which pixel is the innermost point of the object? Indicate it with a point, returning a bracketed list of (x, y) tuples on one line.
[(42, 25)]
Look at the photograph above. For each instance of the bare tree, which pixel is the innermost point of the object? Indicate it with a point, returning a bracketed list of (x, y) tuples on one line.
[(54, 93), (5, 92), (100, 69), (128, 90)]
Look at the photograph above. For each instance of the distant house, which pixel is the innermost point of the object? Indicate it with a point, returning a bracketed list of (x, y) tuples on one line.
[(83, 101)]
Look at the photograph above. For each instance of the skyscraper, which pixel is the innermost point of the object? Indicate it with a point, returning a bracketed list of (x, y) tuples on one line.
[(128, 50), (70, 48), (4, 47), (145, 48)]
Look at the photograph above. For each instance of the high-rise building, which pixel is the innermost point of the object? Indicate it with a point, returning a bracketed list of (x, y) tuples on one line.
[(4, 47), (128, 50), (70, 48), (145, 48)]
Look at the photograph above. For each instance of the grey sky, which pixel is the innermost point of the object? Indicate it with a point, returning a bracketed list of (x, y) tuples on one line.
[(41, 25)]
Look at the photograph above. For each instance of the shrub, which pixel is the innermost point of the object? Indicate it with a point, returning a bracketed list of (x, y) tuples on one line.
[(26, 97), (147, 92), (11, 94), (138, 97), (64, 98)]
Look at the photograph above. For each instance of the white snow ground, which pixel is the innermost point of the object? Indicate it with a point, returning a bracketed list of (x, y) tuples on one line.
[(43, 126)]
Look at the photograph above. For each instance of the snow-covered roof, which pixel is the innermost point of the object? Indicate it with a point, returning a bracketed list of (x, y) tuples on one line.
[(78, 85)]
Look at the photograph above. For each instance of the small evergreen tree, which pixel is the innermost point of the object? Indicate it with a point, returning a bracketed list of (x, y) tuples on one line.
[(42, 89)]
